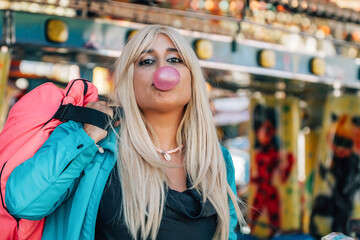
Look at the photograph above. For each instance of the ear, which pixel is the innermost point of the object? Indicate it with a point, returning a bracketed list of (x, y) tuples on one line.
[(334, 117)]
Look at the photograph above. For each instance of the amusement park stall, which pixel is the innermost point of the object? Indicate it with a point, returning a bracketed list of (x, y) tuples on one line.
[(283, 82)]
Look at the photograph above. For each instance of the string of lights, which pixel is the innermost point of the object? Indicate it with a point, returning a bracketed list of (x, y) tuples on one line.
[(281, 22)]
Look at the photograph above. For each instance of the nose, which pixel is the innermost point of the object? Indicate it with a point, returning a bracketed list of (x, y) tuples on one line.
[(161, 63)]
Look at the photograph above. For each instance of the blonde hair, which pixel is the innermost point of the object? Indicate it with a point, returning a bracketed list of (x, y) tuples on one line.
[(141, 171)]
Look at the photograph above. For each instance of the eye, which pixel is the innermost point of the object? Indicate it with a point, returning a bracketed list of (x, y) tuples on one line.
[(146, 62), (175, 60)]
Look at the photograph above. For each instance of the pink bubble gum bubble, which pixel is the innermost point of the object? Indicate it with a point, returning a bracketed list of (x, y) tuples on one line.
[(166, 78)]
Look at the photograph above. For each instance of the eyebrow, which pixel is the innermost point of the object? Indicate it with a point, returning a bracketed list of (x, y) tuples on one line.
[(152, 50), (172, 50)]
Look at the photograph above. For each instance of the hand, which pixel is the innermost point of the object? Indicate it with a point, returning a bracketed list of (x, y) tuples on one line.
[(95, 132)]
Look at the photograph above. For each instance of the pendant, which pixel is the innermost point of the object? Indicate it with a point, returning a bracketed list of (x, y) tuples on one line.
[(167, 156)]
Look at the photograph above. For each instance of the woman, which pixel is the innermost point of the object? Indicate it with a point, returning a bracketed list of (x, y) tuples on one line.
[(268, 160), (74, 182)]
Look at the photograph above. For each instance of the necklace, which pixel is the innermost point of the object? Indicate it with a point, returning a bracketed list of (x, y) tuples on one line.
[(166, 154)]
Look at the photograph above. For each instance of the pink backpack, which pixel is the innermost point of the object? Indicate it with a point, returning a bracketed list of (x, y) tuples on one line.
[(30, 122)]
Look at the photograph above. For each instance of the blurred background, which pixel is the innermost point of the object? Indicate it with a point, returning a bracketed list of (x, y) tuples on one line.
[(283, 80)]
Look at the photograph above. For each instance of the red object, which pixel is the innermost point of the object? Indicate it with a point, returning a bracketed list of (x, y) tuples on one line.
[(29, 124), (267, 196), (166, 78)]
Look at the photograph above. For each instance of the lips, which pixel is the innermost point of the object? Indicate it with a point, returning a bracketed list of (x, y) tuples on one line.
[(153, 86)]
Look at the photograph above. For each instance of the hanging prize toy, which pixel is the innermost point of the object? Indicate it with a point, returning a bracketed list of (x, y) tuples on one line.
[(166, 78)]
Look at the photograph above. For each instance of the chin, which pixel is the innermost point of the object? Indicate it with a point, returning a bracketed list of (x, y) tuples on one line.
[(167, 108)]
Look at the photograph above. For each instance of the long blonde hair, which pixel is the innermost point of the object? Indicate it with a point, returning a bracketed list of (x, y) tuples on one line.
[(141, 171)]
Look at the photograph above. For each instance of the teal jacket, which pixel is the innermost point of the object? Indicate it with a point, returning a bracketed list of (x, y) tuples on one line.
[(64, 182)]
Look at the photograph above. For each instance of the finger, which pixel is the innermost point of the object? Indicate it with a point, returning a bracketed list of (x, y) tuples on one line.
[(109, 112), (101, 106), (117, 123), (102, 103), (90, 104)]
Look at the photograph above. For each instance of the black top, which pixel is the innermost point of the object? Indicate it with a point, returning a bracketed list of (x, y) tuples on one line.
[(185, 215)]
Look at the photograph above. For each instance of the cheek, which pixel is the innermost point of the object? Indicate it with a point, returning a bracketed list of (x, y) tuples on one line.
[(137, 89), (139, 84), (139, 78), (187, 81), (142, 79), (138, 94), (187, 91)]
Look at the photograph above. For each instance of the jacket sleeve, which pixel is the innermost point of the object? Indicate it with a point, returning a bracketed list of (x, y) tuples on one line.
[(231, 181), (39, 185)]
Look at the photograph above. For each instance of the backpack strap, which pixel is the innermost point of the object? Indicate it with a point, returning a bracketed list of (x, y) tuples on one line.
[(86, 115)]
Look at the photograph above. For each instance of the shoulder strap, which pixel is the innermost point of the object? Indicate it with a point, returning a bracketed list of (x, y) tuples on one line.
[(86, 115), (83, 114)]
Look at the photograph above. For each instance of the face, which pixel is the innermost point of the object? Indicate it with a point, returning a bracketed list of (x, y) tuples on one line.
[(162, 52), (341, 151), (342, 146), (265, 133)]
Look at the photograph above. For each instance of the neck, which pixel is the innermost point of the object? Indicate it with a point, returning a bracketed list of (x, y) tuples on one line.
[(165, 126)]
